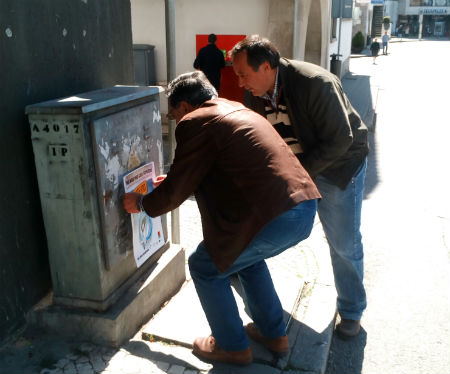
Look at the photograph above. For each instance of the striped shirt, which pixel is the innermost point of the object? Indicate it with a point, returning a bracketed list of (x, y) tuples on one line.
[(276, 113)]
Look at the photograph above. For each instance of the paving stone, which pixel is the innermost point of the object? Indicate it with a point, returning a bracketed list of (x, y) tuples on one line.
[(164, 366), (70, 368), (119, 356), (189, 371), (177, 355), (147, 366), (131, 364), (114, 366), (176, 369), (62, 363), (84, 368), (82, 360), (98, 364)]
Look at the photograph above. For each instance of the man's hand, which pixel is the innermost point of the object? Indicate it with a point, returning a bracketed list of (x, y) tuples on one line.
[(130, 202)]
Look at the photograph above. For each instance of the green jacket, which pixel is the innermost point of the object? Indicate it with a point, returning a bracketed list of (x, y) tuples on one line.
[(330, 131)]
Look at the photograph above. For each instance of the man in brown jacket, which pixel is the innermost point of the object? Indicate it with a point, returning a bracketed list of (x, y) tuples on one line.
[(255, 200)]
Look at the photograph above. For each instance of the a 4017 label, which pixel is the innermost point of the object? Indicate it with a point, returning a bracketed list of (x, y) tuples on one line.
[(47, 127)]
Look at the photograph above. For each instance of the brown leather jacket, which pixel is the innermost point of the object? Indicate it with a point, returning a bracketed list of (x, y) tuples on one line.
[(241, 171)]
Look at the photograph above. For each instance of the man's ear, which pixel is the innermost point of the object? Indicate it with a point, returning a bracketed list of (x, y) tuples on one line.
[(265, 67), (186, 107)]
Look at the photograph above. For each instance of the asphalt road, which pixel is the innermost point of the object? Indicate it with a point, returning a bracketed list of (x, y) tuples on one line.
[(406, 217)]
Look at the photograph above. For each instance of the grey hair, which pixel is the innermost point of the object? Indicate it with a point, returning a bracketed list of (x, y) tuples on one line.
[(192, 87)]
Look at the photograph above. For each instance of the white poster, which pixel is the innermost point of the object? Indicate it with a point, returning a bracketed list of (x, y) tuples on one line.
[(148, 235)]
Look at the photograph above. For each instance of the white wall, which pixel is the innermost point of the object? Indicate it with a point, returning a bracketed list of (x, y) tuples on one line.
[(148, 27), (194, 17)]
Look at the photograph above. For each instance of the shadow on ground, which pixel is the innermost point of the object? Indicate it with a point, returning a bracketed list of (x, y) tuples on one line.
[(347, 356), (363, 98)]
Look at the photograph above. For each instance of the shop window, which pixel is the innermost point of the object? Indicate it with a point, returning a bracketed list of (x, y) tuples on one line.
[(421, 2), (441, 2)]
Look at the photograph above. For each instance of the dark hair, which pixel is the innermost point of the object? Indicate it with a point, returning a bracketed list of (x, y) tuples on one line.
[(193, 87), (212, 38), (258, 50)]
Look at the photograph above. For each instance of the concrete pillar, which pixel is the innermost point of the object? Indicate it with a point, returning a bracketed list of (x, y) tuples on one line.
[(281, 25), (420, 25), (302, 27), (325, 14)]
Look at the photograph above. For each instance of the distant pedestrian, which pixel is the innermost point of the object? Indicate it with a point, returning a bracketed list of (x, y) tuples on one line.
[(211, 61), (385, 40), (375, 48), (407, 31), (400, 32)]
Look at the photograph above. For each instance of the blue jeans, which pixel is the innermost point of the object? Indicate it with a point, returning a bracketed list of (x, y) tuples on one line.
[(340, 214), (214, 288)]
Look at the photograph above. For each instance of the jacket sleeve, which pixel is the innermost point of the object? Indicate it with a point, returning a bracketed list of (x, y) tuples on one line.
[(194, 156), (326, 110), (222, 63)]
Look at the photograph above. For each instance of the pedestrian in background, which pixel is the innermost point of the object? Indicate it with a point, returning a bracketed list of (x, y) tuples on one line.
[(375, 48), (211, 61), (255, 200), (385, 40), (307, 106)]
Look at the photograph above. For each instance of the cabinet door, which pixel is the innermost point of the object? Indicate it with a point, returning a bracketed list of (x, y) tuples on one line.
[(122, 142)]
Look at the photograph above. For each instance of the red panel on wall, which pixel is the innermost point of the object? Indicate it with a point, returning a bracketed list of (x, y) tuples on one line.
[(229, 87)]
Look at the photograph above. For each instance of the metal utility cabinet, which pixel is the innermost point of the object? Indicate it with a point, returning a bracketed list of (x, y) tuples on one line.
[(83, 145), (144, 64)]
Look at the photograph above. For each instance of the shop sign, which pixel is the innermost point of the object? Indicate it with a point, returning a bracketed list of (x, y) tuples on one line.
[(341, 8), (433, 11)]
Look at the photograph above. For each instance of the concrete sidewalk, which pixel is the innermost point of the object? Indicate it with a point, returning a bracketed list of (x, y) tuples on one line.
[(363, 95), (302, 276)]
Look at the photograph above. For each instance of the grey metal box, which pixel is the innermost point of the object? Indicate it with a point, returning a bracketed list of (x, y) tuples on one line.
[(83, 145), (144, 64)]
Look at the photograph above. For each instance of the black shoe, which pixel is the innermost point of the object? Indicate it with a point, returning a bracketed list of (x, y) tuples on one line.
[(348, 328)]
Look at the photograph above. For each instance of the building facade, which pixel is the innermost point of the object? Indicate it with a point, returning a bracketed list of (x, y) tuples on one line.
[(302, 29), (423, 18)]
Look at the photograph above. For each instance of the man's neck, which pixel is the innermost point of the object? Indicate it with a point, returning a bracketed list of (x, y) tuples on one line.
[(273, 81), (272, 94)]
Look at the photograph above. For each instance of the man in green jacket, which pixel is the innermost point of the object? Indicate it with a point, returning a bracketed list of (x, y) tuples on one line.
[(307, 106)]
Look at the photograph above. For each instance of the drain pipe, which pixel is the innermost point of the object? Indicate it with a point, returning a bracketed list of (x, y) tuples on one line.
[(295, 36), (171, 67), (335, 64)]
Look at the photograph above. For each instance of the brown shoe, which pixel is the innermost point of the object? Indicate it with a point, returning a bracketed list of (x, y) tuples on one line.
[(278, 346), (348, 328), (207, 348)]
